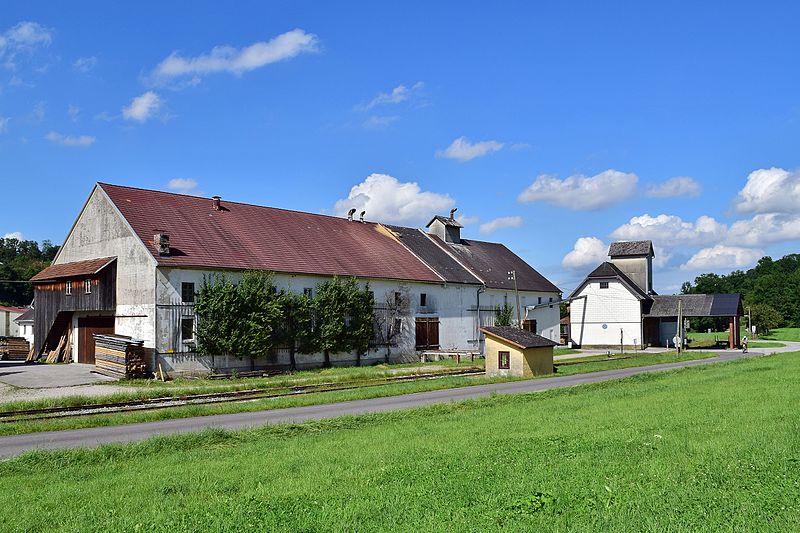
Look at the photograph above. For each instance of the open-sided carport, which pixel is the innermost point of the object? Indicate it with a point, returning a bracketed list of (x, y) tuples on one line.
[(660, 321)]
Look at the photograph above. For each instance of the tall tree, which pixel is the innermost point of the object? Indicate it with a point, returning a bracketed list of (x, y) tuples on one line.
[(20, 260), (341, 317), (297, 332)]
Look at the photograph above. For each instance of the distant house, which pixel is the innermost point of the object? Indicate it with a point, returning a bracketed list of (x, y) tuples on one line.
[(615, 305), (134, 260), (8, 315), (25, 325)]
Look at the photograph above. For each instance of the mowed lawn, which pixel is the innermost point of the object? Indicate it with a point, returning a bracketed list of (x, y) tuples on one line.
[(711, 448), (783, 334)]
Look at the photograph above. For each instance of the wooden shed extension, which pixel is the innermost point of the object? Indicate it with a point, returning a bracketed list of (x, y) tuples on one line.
[(60, 290)]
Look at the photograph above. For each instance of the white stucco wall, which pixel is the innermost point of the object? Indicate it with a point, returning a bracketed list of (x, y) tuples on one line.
[(616, 308), (9, 328), (26, 331), (100, 231)]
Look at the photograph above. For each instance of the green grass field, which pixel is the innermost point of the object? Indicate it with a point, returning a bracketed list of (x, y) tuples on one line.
[(710, 448), (584, 365), (784, 334)]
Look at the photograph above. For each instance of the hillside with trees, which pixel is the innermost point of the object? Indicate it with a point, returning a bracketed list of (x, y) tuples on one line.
[(771, 289), (19, 261)]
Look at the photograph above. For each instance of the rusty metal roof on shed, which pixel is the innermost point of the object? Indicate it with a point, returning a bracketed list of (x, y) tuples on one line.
[(520, 338), (244, 236), (696, 305), (73, 270), (630, 248), (491, 262)]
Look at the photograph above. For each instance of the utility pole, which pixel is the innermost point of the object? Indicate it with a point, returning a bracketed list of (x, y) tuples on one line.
[(512, 275), (679, 335), (749, 322)]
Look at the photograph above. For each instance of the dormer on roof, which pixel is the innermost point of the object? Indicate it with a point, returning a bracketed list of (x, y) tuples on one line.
[(446, 228)]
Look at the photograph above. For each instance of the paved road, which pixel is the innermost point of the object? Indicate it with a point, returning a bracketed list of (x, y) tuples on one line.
[(14, 445)]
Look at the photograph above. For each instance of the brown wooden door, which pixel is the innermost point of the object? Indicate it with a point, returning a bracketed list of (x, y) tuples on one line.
[(87, 327), (427, 333)]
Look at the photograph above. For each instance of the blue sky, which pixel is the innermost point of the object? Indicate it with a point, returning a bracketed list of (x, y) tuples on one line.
[(555, 129)]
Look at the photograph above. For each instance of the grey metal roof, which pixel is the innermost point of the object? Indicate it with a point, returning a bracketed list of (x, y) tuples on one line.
[(447, 221), (519, 337), (27, 316), (433, 255), (630, 248), (492, 261), (696, 305), (608, 270)]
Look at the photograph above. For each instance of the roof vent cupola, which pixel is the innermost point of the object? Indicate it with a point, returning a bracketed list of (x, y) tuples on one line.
[(446, 228), (215, 203), (161, 241), (350, 214)]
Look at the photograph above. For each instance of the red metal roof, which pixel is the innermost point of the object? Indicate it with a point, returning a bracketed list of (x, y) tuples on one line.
[(244, 236), (9, 309), (72, 270)]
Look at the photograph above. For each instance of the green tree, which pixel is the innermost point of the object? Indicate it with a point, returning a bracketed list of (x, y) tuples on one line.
[(503, 315), (241, 320), (20, 260), (342, 319), (764, 318), (297, 332)]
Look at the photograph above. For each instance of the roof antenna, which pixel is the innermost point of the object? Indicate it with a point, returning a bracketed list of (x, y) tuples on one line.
[(453, 212), (361, 217), (350, 214)]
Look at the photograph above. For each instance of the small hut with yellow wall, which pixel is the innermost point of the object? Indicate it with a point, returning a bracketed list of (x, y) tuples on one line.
[(512, 351)]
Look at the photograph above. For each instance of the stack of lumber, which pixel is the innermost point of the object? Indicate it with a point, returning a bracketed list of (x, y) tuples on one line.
[(62, 353), (120, 356), (14, 348)]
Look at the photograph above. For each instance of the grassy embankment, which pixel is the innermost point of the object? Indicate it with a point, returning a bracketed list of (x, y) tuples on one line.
[(710, 448), (158, 389)]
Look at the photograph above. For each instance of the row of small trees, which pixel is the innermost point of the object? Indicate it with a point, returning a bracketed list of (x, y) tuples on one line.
[(251, 318)]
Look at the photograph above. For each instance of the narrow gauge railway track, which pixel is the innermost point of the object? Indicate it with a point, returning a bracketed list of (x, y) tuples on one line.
[(218, 397)]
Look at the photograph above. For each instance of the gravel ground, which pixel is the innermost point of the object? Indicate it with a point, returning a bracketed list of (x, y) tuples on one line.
[(14, 394)]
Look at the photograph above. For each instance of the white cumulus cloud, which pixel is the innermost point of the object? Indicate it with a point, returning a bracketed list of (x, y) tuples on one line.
[(674, 187), (770, 190), (723, 257), (14, 235), (581, 192), (182, 185), (70, 140), (84, 64), (671, 230), (24, 37), (238, 60), (588, 251), (386, 199), (765, 228), (142, 107), (463, 150), (500, 223)]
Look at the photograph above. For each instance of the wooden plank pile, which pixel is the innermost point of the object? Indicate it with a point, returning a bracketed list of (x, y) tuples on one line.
[(120, 356), (62, 353), (14, 348)]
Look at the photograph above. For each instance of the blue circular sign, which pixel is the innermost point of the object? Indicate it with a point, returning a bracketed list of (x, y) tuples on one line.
[(605, 326)]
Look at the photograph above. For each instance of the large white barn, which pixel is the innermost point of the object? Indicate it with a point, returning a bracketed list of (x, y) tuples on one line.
[(134, 259)]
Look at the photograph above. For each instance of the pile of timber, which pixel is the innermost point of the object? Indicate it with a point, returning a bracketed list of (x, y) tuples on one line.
[(62, 353), (120, 356), (14, 348)]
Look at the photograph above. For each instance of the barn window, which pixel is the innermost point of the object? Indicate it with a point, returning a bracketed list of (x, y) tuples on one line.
[(397, 326), (540, 300), (87, 286), (68, 288), (503, 360), (187, 292), (398, 299), (423, 299), (187, 329), (308, 292), (603, 284)]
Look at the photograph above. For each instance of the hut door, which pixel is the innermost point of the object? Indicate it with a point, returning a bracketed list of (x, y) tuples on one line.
[(88, 326), (427, 333)]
